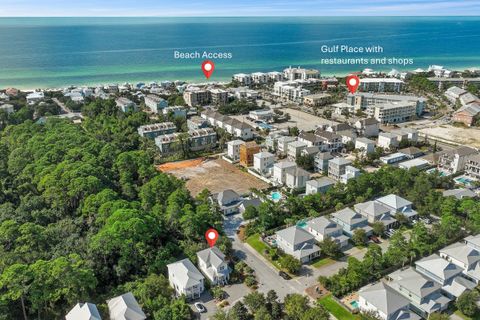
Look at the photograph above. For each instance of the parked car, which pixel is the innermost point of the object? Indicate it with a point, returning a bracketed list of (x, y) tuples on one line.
[(375, 239), (200, 307), (284, 275)]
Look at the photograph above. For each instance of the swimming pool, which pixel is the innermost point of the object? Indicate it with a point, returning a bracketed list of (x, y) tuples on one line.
[(464, 180), (435, 170), (302, 224), (265, 126), (276, 196), (354, 304)]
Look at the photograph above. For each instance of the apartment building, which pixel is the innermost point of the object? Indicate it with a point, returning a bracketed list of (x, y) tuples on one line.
[(468, 114), (218, 96), (154, 130), (455, 160), (300, 73), (194, 96), (365, 99), (317, 100), (233, 126), (155, 103), (392, 112), (243, 79), (472, 166), (196, 140), (381, 85), (259, 77)]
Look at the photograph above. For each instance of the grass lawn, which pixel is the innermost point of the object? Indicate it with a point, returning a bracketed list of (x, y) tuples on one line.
[(461, 315), (256, 243), (336, 309), (322, 262)]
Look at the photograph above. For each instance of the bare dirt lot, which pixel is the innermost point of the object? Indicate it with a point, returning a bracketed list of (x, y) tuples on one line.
[(214, 174), (464, 136)]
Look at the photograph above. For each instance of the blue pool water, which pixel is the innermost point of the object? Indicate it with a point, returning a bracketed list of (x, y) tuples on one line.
[(265, 126), (464, 180), (302, 224), (354, 304), (276, 196)]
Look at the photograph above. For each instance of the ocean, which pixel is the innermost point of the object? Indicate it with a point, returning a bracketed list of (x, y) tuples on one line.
[(57, 52)]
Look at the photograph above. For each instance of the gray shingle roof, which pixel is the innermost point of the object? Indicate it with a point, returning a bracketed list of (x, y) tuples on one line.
[(185, 273), (125, 307), (211, 256), (384, 298), (294, 235)]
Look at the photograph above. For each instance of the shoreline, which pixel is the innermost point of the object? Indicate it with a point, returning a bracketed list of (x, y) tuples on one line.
[(196, 81)]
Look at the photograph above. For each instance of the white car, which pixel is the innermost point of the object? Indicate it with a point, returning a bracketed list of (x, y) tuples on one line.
[(200, 307)]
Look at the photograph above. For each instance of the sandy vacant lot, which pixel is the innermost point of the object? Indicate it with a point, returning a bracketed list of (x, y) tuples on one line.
[(470, 136), (214, 174)]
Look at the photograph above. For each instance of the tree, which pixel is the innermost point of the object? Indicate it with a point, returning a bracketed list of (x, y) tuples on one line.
[(467, 303), (359, 237), (238, 312), (295, 306), (250, 213), (330, 247), (438, 316), (254, 301), (263, 314), (289, 263), (218, 293), (306, 162), (378, 228)]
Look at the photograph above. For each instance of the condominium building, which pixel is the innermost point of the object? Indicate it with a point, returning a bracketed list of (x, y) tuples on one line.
[(154, 130), (317, 100), (392, 112), (472, 167), (275, 76), (455, 160), (259, 77), (155, 103), (194, 96), (218, 96), (365, 99), (243, 79), (381, 85), (301, 73), (196, 140)]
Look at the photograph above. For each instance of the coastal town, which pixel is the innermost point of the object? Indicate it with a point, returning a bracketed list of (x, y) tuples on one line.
[(335, 204)]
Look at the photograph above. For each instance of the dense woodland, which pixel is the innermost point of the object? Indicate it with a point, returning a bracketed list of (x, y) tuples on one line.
[(84, 216)]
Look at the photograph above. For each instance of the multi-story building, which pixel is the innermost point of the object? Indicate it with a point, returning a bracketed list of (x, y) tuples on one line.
[(283, 142), (175, 111), (365, 145), (213, 265), (468, 114), (8, 108), (233, 149), (280, 170), (350, 221), (290, 90), (152, 131), (398, 205), (259, 77), (243, 79), (274, 76), (295, 148), (297, 242), (125, 104), (325, 140), (350, 173), (336, 167), (319, 186), (375, 211), (321, 161), (364, 99), (247, 151), (392, 112), (185, 279), (194, 96), (300, 73), (368, 127), (263, 162), (317, 100), (387, 140), (322, 228), (195, 140), (125, 307), (296, 178), (218, 96), (381, 85), (472, 167), (454, 161), (155, 103), (83, 311), (233, 126)]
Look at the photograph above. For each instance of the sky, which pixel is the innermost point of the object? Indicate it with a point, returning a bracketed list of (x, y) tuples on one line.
[(192, 8)]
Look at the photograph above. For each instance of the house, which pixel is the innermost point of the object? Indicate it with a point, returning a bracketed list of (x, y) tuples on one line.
[(175, 111), (185, 278), (35, 97), (297, 242), (473, 241), (283, 142), (393, 158), (424, 294), (280, 170), (472, 166), (249, 202), (321, 228), (295, 148), (84, 311), (468, 114), (419, 164), (460, 193), (296, 178), (445, 273), (319, 186), (376, 212), (350, 220), (387, 140), (233, 149), (398, 205), (154, 130), (406, 134), (310, 151), (329, 141), (155, 103), (261, 115), (384, 301), (454, 161), (212, 263), (8, 108), (321, 161), (365, 145), (336, 167), (247, 151), (125, 307), (263, 162), (228, 201), (453, 93), (126, 105), (350, 173), (411, 152), (465, 257)]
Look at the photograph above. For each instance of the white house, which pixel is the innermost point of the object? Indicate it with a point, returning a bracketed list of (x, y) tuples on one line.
[(212, 263), (282, 144), (185, 278), (319, 186), (387, 140), (322, 228), (297, 178), (295, 148), (263, 162), (297, 242), (280, 170), (228, 201), (125, 307), (365, 145), (233, 149), (84, 311), (465, 257), (398, 205)]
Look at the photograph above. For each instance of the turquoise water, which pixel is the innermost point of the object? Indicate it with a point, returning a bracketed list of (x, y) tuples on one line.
[(52, 52), (276, 196), (464, 180), (354, 304), (302, 224)]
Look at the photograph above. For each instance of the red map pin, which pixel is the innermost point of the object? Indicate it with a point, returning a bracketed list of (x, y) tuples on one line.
[(207, 68), (212, 236), (352, 83)]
